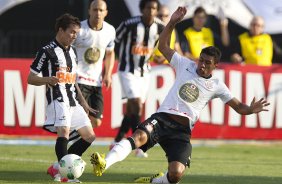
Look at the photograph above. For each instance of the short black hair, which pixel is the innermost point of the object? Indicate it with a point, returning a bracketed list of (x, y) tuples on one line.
[(212, 51), (65, 20), (200, 10), (143, 3)]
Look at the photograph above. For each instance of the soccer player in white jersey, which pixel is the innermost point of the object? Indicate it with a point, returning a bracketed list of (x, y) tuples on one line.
[(94, 41), (171, 126), (57, 62)]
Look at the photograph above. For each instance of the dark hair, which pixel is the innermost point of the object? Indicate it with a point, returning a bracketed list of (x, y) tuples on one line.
[(212, 51), (200, 10), (65, 20), (143, 3)]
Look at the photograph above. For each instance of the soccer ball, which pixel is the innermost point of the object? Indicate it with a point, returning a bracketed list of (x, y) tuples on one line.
[(71, 166)]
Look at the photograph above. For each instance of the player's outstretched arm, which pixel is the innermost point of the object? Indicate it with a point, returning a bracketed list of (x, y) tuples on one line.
[(164, 42), (254, 107)]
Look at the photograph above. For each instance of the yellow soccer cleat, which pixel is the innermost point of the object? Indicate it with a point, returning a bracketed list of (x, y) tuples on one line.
[(99, 163), (148, 179)]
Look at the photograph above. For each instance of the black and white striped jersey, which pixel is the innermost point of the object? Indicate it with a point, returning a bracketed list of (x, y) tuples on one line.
[(137, 43), (55, 60)]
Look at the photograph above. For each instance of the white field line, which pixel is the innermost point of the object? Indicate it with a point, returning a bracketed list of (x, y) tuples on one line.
[(25, 160)]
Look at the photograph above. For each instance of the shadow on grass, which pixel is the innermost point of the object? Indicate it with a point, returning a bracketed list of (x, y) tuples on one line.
[(39, 177)]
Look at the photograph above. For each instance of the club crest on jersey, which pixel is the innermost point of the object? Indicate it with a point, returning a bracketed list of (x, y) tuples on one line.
[(92, 55), (188, 92), (209, 84)]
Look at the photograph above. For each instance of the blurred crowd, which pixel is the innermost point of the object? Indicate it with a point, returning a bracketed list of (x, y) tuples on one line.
[(250, 47)]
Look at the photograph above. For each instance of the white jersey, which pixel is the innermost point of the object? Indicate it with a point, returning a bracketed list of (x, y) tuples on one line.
[(91, 46), (190, 93)]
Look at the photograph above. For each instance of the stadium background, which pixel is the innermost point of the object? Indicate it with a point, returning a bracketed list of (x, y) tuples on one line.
[(28, 26)]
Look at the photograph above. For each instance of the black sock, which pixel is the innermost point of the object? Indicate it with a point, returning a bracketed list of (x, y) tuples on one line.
[(132, 143), (79, 147), (124, 128), (61, 147), (135, 120)]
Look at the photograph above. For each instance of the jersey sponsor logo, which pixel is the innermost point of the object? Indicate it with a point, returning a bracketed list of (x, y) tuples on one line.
[(141, 50), (92, 55), (188, 92), (66, 77), (40, 62)]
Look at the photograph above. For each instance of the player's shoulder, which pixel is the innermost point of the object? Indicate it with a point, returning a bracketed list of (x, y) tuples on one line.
[(84, 23), (49, 46), (108, 26), (132, 20)]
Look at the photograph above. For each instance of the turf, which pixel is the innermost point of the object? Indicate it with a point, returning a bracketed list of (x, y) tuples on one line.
[(223, 164)]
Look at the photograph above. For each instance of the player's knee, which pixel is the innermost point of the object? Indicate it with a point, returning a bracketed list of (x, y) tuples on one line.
[(140, 138), (175, 176), (175, 172), (63, 132), (89, 138)]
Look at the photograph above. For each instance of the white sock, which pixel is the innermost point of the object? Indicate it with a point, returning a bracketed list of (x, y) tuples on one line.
[(119, 152), (162, 179)]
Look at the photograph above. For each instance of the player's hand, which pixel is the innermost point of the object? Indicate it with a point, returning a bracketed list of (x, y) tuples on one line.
[(107, 81), (178, 15), (259, 105), (236, 58), (159, 59), (52, 81), (87, 108)]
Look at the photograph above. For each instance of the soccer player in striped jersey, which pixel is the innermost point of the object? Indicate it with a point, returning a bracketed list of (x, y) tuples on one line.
[(137, 37), (57, 62)]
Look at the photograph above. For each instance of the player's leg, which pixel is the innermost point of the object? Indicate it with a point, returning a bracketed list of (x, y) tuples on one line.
[(178, 153), (81, 123), (61, 146), (124, 128), (97, 103), (134, 111), (142, 137), (58, 120), (61, 117), (94, 97)]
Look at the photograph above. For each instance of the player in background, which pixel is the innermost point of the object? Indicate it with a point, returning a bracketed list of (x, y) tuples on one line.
[(171, 126), (95, 41), (157, 57), (57, 62), (254, 46), (198, 36), (137, 37)]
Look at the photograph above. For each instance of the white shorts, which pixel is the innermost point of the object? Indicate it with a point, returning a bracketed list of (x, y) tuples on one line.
[(60, 114), (134, 86)]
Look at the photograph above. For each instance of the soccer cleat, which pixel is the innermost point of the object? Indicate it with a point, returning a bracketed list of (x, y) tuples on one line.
[(52, 171), (140, 153), (148, 179), (99, 163)]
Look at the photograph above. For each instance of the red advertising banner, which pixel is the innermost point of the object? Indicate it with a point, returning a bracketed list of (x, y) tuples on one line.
[(22, 106)]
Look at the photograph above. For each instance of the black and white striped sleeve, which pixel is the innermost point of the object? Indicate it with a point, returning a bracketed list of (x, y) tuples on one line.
[(121, 30), (39, 62)]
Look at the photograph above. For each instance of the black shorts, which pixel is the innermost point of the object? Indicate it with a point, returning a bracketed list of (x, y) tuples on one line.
[(94, 97), (174, 138)]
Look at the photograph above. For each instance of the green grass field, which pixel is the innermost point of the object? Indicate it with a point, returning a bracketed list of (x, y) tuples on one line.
[(223, 164)]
